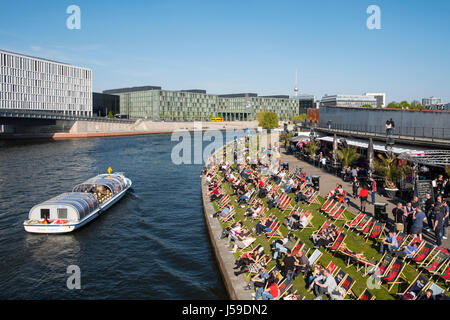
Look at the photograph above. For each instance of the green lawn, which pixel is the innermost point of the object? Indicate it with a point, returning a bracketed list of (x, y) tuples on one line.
[(354, 241)]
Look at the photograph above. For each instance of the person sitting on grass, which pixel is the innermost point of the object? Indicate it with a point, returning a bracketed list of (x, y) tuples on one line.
[(390, 242), (324, 284), (269, 292)]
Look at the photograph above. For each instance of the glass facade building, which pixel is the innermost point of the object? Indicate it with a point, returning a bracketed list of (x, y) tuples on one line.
[(187, 105), (347, 101), (30, 83)]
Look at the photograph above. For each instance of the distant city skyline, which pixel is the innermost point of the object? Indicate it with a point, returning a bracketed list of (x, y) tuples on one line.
[(251, 46)]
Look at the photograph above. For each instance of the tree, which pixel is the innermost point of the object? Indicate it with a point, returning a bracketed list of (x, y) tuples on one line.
[(300, 117), (312, 148), (393, 105), (366, 106), (260, 117), (404, 105), (348, 155), (390, 169), (270, 120), (110, 115), (415, 103)]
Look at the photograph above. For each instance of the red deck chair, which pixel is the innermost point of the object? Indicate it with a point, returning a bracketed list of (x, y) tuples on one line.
[(332, 267), (437, 262), (347, 285), (337, 243), (325, 205), (445, 275), (339, 214), (422, 254), (285, 204), (364, 221), (324, 226), (394, 274), (376, 232), (366, 295), (367, 228), (329, 206), (352, 224)]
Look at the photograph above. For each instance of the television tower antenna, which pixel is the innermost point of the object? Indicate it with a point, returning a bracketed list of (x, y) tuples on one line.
[(296, 84)]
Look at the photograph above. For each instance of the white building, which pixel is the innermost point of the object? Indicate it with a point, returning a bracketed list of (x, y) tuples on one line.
[(346, 100), (30, 83), (381, 98), (432, 101)]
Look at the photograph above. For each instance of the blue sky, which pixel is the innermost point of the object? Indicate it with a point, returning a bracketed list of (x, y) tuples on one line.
[(243, 46)]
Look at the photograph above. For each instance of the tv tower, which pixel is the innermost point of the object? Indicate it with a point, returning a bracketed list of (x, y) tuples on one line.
[(296, 84)]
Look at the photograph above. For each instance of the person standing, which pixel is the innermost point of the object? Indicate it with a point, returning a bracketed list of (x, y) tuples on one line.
[(446, 209), (438, 224), (399, 217), (355, 186), (363, 194), (409, 212), (418, 219), (373, 186), (429, 204)]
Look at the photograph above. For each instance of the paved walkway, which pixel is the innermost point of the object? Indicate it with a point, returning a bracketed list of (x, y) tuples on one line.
[(328, 182)]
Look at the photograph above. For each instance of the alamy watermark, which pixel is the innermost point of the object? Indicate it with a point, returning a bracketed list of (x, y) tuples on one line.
[(374, 20), (74, 280), (74, 20)]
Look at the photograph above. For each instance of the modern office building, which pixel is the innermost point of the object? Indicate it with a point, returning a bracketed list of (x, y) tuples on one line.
[(380, 97), (103, 103), (341, 100), (31, 83), (156, 104), (432, 101), (305, 102)]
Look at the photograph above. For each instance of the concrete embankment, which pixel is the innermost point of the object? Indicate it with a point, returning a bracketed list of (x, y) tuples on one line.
[(92, 129), (225, 259)]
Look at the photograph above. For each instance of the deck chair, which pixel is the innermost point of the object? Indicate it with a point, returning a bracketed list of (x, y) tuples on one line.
[(366, 230), (309, 216), (445, 274), (363, 223), (258, 213), (401, 238), (313, 198), (229, 217), (376, 232), (325, 205), (339, 214), (382, 267), (275, 233), (435, 288), (425, 251), (292, 243), (241, 245), (347, 284), (331, 208), (394, 274), (353, 223), (332, 267), (356, 258), (416, 287), (285, 204), (340, 276), (334, 247), (283, 288), (366, 295), (298, 295), (223, 201), (314, 256), (324, 226), (436, 263)]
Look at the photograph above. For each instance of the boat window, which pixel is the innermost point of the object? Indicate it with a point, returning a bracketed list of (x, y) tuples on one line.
[(62, 213), (45, 213)]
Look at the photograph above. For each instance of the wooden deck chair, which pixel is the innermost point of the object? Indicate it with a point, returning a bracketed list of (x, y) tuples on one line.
[(229, 217), (416, 287), (295, 293), (356, 258), (340, 276), (347, 284), (331, 204), (366, 295), (353, 223), (364, 221), (339, 214), (401, 238), (332, 267), (292, 243), (314, 256), (331, 208), (366, 230), (259, 213), (275, 233), (241, 245), (435, 288), (324, 226), (382, 267), (309, 216), (334, 247), (436, 263), (376, 232), (394, 274), (325, 205), (285, 204), (423, 253), (313, 198), (445, 273), (223, 201), (283, 288)]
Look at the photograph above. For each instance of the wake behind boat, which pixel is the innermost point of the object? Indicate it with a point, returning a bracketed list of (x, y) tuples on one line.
[(70, 211)]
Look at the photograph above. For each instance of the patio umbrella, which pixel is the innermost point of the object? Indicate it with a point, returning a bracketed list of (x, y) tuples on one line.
[(370, 156), (335, 149)]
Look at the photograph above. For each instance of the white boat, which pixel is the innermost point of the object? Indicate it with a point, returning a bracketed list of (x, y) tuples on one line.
[(70, 211)]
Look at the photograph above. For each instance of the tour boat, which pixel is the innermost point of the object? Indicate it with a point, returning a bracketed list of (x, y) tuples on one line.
[(70, 211)]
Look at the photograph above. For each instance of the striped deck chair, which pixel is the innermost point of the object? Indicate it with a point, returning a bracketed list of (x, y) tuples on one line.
[(367, 228), (331, 208), (274, 189), (313, 198), (328, 206), (309, 216), (229, 216), (423, 253), (394, 274), (258, 213), (366, 295), (352, 224), (382, 267), (356, 258), (325, 205), (241, 245), (223, 201), (324, 226), (416, 287), (436, 263), (376, 232), (303, 186), (363, 222), (275, 233), (334, 247), (285, 203), (339, 214)]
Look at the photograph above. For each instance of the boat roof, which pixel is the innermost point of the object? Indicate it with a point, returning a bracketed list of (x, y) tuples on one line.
[(113, 181), (83, 202)]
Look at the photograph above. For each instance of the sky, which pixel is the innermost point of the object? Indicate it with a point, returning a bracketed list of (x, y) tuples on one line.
[(243, 45)]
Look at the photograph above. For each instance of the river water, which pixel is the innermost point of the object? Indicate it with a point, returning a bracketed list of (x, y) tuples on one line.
[(153, 244)]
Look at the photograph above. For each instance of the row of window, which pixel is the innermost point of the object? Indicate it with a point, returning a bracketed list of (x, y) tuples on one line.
[(29, 105), (36, 65), (21, 74)]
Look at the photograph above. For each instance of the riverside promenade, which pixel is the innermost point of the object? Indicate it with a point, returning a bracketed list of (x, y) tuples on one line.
[(328, 182)]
